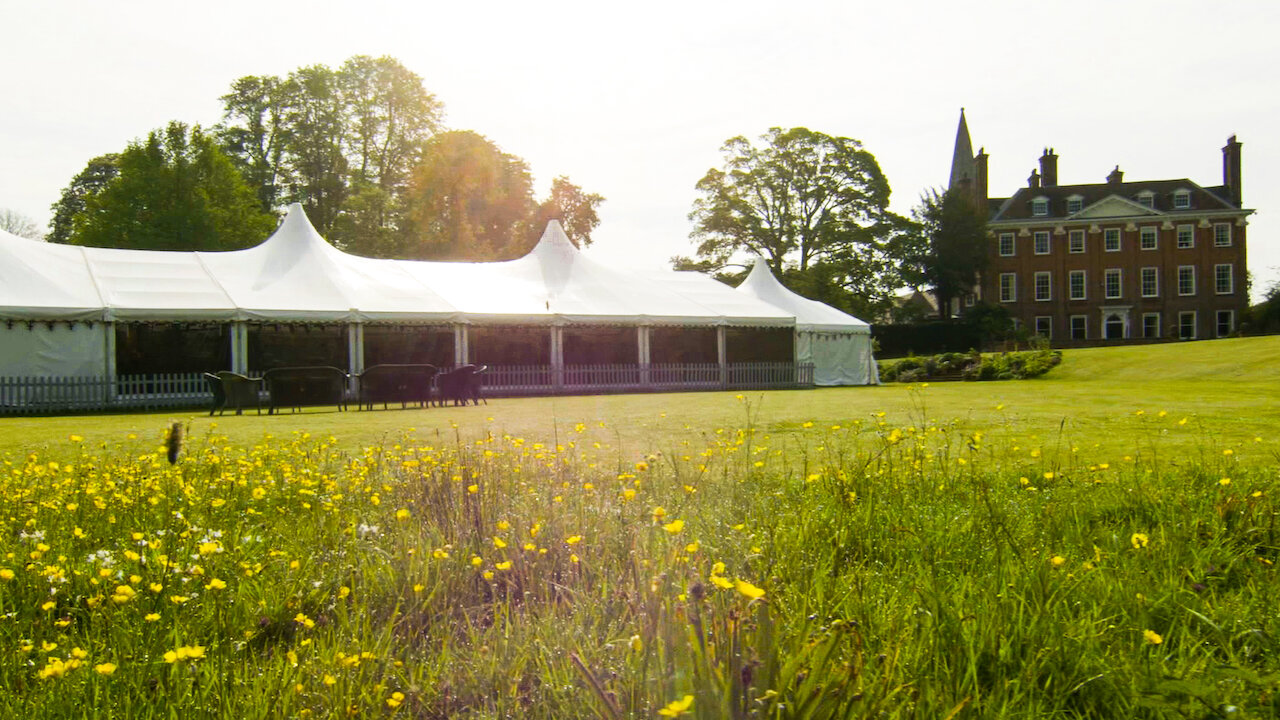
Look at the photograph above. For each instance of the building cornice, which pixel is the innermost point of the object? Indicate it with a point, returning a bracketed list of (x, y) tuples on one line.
[(1181, 216)]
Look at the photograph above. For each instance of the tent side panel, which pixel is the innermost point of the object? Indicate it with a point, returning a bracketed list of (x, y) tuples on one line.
[(63, 350), (841, 359)]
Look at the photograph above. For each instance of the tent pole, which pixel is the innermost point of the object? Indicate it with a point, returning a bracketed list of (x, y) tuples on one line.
[(461, 349), (642, 344), (109, 338), (355, 353), (239, 347), (722, 356), (557, 358)]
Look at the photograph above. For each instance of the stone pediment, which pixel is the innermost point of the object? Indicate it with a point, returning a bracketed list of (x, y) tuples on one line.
[(1114, 206)]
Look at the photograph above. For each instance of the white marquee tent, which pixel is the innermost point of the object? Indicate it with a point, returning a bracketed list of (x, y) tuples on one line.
[(838, 345), (58, 302)]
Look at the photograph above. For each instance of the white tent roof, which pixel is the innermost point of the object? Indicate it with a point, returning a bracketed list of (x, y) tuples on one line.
[(295, 276), (45, 281), (809, 314)]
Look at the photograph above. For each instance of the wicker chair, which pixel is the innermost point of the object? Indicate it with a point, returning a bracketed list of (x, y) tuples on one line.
[(297, 387), (460, 385), (234, 390), (396, 383)]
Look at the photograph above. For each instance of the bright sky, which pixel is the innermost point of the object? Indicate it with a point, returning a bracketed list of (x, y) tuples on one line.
[(634, 101)]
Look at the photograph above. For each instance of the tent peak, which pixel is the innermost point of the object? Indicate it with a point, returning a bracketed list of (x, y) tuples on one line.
[(761, 275), (554, 236)]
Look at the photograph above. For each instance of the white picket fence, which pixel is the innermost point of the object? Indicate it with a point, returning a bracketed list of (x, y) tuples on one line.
[(62, 395)]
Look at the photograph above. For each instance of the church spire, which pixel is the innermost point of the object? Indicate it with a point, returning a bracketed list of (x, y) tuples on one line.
[(962, 160)]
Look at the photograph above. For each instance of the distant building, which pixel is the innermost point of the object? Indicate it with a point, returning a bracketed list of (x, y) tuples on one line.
[(1115, 261)]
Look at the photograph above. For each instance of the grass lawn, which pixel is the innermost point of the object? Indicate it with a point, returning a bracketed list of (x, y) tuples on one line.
[(1097, 543), (1226, 389)]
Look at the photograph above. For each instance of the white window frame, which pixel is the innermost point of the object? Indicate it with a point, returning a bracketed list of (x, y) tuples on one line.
[(1013, 247), (1035, 242), (1186, 237), (1075, 204), (1047, 277), (1182, 316), (1040, 207), (1084, 329), (1073, 285), (1152, 274), (1146, 199), (1155, 315), (1107, 236), (1072, 246), (1218, 284), (1186, 279), (1182, 200), (1118, 274), (1222, 234), (1231, 322), (1048, 322), (1153, 232), (1008, 281)]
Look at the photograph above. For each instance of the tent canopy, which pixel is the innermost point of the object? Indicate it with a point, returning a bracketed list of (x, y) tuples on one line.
[(809, 314), (296, 276)]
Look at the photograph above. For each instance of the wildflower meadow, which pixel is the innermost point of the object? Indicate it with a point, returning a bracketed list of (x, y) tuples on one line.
[(890, 564)]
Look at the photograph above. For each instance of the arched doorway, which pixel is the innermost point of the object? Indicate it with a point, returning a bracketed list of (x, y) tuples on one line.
[(1115, 323), (1114, 327)]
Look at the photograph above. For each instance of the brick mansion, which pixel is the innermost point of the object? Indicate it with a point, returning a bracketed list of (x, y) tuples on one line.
[(1116, 261)]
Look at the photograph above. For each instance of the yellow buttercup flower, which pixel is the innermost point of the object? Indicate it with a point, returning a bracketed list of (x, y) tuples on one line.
[(676, 708), (674, 526), (1138, 540), (184, 653), (1152, 637), (749, 590), (105, 668)]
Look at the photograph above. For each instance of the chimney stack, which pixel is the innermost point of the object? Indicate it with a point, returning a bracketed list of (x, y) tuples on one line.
[(1034, 180), (980, 179), (1116, 177), (1049, 168), (1231, 170)]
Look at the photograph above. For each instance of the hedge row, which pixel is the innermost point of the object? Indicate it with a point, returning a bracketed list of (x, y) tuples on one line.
[(971, 366)]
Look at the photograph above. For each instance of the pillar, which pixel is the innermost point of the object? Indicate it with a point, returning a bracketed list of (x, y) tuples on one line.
[(643, 336), (722, 356)]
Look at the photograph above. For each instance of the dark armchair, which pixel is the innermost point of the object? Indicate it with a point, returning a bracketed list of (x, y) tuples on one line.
[(461, 384), (297, 387), (396, 383), (234, 390)]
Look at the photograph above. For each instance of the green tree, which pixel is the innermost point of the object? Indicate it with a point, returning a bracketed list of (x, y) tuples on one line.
[(574, 208), (88, 182), (813, 205), (469, 200), (1264, 317), (314, 116), (253, 133), (341, 142), (175, 191), (954, 231)]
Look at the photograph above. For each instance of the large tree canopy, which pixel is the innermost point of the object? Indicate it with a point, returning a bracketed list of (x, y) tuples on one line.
[(953, 233), (361, 148), (89, 181), (574, 208), (814, 206), (469, 200), (174, 191), (341, 142)]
